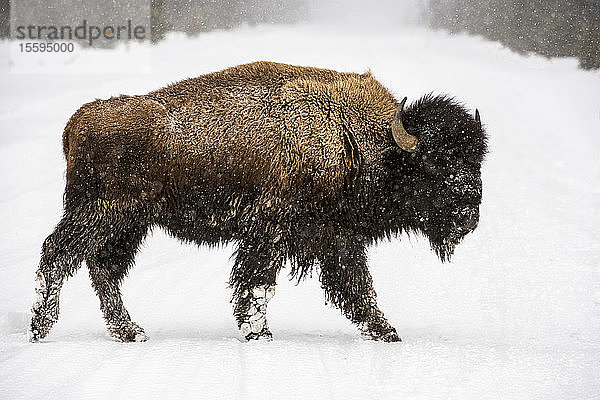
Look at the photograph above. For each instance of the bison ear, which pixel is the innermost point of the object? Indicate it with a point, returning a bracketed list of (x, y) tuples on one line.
[(477, 118), (403, 139)]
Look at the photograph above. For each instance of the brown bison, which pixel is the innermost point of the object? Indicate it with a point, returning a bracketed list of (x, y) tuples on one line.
[(291, 163)]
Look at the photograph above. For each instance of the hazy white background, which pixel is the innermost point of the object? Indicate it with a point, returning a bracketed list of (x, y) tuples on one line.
[(516, 315)]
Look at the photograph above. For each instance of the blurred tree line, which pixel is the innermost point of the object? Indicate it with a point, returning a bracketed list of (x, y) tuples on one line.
[(553, 28), (193, 17), (4, 18), (190, 16)]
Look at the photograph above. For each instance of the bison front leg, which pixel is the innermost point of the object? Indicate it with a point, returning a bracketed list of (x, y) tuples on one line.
[(348, 285), (253, 280)]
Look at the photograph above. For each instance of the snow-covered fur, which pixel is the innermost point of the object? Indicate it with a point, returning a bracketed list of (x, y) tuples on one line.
[(291, 163)]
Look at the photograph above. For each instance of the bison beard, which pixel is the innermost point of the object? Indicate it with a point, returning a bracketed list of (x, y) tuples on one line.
[(294, 164)]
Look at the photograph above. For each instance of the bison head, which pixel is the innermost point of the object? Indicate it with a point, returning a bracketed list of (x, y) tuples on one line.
[(443, 146)]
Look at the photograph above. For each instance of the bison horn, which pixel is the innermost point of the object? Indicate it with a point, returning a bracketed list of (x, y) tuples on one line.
[(403, 139), (477, 117)]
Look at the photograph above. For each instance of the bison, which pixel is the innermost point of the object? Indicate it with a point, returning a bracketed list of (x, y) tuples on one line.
[(293, 164)]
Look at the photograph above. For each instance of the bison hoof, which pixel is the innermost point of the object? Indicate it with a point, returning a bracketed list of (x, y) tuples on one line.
[(265, 335), (39, 328), (33, 335), (141, 337), (129, 333), (390, 336)]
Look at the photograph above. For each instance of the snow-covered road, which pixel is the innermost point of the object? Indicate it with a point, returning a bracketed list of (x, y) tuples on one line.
[(516, 315)]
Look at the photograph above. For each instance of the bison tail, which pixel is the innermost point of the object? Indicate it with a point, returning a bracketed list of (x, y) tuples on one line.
[(66, 133), (74, 127), (65, 143)]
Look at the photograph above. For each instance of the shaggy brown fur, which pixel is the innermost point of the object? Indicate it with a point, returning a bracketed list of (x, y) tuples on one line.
[(292, 163)]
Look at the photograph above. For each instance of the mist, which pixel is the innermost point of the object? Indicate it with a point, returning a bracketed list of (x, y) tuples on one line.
[(369, 15)]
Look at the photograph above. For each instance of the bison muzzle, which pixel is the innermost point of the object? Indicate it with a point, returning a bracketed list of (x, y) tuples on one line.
[(292, 164)]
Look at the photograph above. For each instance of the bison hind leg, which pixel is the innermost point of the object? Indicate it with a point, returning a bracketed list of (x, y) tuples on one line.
[(103, 233), (62, 253), (107, 268), (59, 260)]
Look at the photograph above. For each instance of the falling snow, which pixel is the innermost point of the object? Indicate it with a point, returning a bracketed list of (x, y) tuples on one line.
[(516, 315)]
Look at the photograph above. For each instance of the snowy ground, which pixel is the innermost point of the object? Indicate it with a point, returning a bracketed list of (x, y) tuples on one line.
[(515, 316)]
